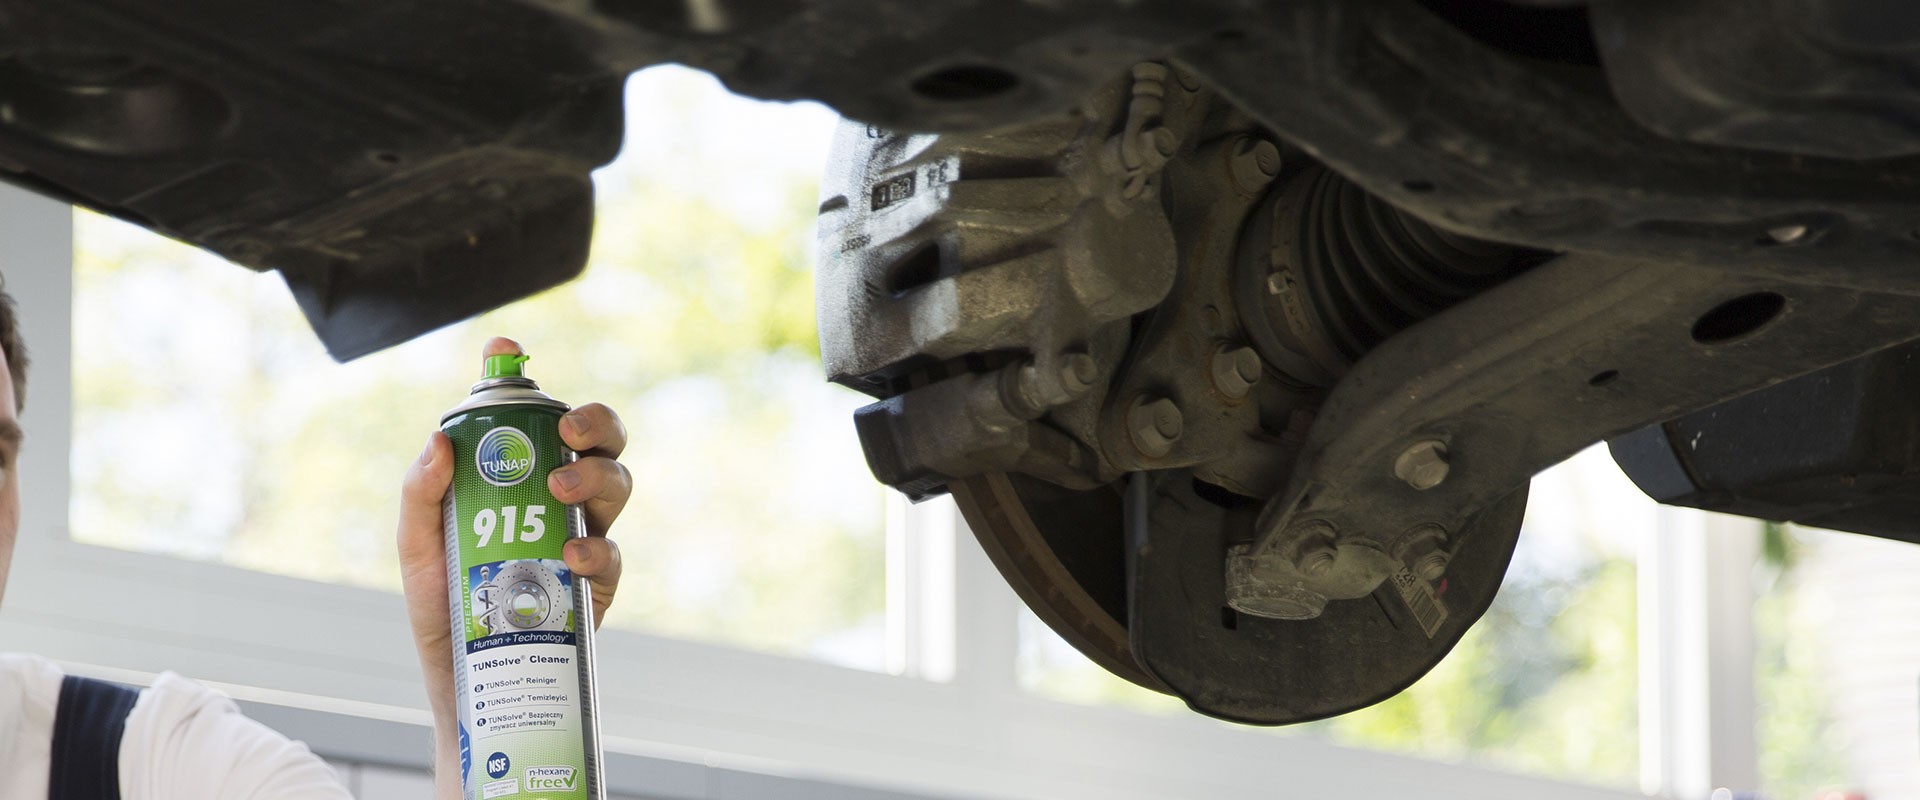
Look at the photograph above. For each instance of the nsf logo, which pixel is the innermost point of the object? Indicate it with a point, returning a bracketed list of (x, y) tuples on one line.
[(504, 457), (497, 765)]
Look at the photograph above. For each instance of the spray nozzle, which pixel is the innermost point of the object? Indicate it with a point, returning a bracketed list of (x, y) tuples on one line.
[(504, 366)]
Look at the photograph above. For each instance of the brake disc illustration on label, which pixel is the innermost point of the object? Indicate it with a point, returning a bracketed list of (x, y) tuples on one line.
[(520, 596)]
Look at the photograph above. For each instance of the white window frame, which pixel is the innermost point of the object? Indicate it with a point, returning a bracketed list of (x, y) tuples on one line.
[(971, 732), (1697, 651)]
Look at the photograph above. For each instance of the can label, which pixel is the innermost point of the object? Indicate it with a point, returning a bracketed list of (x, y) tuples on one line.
[(519, 657)]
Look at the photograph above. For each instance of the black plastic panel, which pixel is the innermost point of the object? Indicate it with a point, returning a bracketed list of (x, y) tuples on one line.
[(1838, 449)]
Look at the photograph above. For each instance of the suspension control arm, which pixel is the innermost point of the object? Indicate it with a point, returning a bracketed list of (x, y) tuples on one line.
[(1461, 410)]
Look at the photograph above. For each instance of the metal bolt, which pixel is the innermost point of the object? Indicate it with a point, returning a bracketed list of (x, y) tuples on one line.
[(1022, 393), (1078, 371), (1236, 371), (1029, 382), (1316, 549), (1425, 552), (1164, 142), (1423, 465), (1246, 363), (1166, 419), (1155, 426), (1317, 560), (1150, 73), (1787, 234), (1253, 164)]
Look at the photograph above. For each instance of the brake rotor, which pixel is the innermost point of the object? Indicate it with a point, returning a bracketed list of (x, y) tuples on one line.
[(1133, 584), (523, 596), (1071, 575)]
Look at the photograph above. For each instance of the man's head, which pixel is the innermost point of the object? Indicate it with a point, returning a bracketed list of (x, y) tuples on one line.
[(13, 350), (13, 396)]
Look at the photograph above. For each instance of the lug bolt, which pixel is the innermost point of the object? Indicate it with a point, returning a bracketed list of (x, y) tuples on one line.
[(1236, 371), (1155, 426), (1423, 465)]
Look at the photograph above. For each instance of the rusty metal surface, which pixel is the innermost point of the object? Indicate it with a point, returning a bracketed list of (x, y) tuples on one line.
[(1000, 520)]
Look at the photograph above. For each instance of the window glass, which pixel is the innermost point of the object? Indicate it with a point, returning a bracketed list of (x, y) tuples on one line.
[(1837, 634), (209, 424), (1545, 683)]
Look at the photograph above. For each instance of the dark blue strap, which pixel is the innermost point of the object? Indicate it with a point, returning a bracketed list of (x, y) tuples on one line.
[(91, 718)]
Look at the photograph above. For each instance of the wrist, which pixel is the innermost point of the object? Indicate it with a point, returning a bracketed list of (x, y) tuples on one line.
[(446, 762), (446, 734)]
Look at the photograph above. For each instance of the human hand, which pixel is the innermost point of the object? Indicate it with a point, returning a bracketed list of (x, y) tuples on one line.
[(596, 482)]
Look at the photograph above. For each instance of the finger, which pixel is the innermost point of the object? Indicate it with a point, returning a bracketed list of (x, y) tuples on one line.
[(597, 560), (423, 565), (600, 486), (593, 429), (594, 558), (420, 534), (501, 346)]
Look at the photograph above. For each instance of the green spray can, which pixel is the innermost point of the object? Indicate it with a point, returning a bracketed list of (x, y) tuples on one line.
[(522, 623)]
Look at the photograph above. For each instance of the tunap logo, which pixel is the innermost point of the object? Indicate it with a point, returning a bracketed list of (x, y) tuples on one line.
[(504, 457)]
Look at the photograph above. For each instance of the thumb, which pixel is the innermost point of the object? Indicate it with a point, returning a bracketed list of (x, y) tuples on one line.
[(421, 534)]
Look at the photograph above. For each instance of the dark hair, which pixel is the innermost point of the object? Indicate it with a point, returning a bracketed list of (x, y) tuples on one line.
[(11, 346)]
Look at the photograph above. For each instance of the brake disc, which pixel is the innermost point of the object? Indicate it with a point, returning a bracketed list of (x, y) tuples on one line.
[(522, 596)]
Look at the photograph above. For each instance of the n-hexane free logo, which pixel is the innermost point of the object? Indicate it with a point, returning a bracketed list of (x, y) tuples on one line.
[(504, 457), (551, 779)]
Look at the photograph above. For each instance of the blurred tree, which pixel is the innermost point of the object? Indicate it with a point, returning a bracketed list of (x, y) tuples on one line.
[(1801, 752)]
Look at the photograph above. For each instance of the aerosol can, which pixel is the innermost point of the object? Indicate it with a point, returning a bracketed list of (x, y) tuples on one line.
[(522, 623)]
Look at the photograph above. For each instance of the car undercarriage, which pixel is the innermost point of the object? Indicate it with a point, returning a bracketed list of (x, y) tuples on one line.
[(1236, 330)]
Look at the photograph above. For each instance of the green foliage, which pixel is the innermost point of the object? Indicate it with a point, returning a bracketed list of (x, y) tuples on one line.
[(1776, 545), (1544, 683), (1801, 752)]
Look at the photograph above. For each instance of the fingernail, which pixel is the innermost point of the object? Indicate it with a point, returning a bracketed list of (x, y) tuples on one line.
[(577, 549), (567, 479), (426, 453), (577, 422)]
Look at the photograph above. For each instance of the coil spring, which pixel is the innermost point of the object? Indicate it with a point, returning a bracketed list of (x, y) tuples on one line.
[(1371, 270)]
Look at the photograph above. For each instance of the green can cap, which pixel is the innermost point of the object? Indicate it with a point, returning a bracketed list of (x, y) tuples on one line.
[(504, 366)]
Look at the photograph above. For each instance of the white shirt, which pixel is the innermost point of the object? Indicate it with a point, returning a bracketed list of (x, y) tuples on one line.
[(183, 741)]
